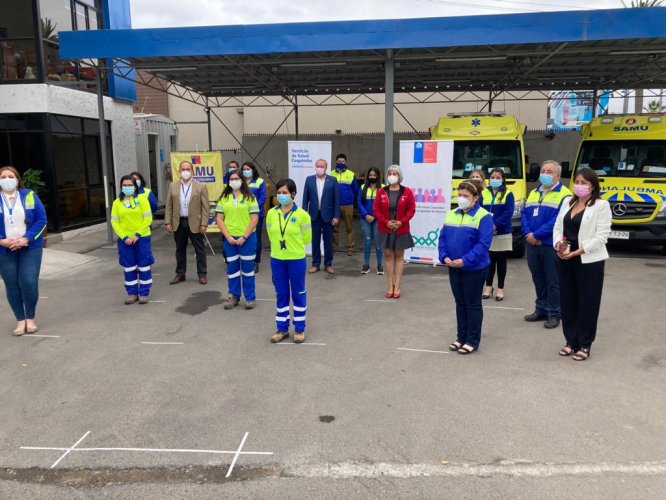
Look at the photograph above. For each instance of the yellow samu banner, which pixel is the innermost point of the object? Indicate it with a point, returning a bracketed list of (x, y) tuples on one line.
[(208, 169)]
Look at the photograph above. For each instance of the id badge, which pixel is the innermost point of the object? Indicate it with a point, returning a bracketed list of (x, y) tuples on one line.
[(12, 222), (536, 212)]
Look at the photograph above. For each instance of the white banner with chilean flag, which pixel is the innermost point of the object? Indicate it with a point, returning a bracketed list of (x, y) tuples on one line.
[(427, 169)]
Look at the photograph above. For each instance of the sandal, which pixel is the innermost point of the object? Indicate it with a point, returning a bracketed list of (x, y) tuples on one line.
[(488, 295), (466, 349), (581, 354), (567, 350), (454, 346)]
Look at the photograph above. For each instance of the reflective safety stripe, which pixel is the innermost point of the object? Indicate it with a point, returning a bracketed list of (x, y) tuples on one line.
[(130, 283), (115, 217), (235, 275), (129, 269), (279, 318), (283, 309), (147, 214), (299, 318), (300, 309), (247, 257), (306, 227), (248, 275), (233, 258), (144, 269), (146, 282)]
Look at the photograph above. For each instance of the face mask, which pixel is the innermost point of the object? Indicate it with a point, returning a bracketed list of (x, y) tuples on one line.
[(495, 183), (372, 180), (8, 184), (186, 175), (464, 203), (393, 179), (320, 171), (340, 167), (284, 199), (232, 170), (582, 190), (247, 174), (138, 182), (235, 184), (546, 179), (128, 190), (475, 179)]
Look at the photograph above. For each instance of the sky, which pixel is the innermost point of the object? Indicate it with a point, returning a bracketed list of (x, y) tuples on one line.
[(169, 13)]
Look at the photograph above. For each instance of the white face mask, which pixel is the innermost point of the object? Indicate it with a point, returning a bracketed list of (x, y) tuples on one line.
[(464, 203), (186, 175), (393, 179), (320, 171), (8, 184), (235, 184)]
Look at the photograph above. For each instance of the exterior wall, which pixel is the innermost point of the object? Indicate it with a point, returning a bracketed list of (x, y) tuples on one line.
[(164, 129), (151, 101), (41, 98)]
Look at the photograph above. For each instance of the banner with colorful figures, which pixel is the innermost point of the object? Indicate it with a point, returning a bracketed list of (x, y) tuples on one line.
[(427, 169), (207, 168)]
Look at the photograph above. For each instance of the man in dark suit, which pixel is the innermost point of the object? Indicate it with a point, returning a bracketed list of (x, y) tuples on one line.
[(321, 199)]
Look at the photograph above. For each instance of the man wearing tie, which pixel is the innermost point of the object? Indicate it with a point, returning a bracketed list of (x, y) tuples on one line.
[(186, 216), (321, 199)]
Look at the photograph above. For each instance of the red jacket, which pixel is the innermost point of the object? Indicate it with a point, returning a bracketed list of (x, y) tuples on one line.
[(406, 209)]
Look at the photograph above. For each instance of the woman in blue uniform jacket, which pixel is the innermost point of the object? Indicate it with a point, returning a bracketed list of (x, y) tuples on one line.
[(463, 246), (145, 191), (258, 188), (499, 201)]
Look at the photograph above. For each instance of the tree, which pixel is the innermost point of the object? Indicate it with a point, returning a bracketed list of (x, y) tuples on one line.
[(654, 107)]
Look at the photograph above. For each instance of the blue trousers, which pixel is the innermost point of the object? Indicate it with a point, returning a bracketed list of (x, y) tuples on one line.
[(319, 229), (136, 261), (289, 280), (369, 232), (467, 288), (542, 261), (240, 267), (260, 226), (20, 273)]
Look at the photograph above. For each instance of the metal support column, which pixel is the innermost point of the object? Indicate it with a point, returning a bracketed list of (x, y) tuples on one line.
[(210, 130), (595, 102), (490, 101), (296, 114), (104, 153), (388, 107)]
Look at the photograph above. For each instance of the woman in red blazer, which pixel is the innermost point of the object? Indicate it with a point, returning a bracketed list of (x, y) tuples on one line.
[(393, 208)]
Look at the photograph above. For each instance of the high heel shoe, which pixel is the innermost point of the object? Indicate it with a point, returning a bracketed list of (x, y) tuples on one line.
[(498, 297), (488, 295), (396, 295), (389, 295)]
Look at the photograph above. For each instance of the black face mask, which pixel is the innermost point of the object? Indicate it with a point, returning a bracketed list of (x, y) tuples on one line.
[(372, 180)]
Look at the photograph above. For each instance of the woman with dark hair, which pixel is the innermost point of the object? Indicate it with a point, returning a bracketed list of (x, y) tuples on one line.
[(237, 216), (145, 191), (366, 199), (288, 228), (394, 207), (499, 201), (22, 224), (131, 219), (579, 235), (463, 247), (258, 188)]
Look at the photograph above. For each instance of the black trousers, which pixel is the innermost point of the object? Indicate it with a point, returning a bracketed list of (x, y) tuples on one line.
[(580, 299), (181, 235), (497, 260)]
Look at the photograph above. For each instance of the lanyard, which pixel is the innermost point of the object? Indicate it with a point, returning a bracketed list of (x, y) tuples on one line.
[(283, 243), (185, 192), (6, 203)]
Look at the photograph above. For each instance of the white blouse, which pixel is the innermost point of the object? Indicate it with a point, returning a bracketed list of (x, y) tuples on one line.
[(15, 224)]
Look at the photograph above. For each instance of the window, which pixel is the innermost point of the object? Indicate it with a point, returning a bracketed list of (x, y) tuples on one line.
[(18, 42)]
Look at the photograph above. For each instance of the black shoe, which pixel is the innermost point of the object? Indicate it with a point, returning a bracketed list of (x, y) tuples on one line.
[(535, 317), (552, 323), (380, 270), (256, 267), (365, 270)]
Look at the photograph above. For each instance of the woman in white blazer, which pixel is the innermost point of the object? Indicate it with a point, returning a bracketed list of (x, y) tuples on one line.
[(580, 234)]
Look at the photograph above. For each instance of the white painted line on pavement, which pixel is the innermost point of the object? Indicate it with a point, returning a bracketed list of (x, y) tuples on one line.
[(506, 308), (302, 343), (157, 301), (421, 350), (238, 451), (378, 300), (69, 450), (43, 297), (44, 336), (163, 343), (265, 300)]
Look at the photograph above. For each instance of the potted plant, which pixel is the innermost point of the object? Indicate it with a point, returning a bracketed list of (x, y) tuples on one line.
[(32, 179)]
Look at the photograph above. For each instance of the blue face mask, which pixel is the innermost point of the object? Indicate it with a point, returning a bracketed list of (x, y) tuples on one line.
[(247, 174), (546, 179), (138, 182), (341, 167), (284, 199), (495, 183), (128, 190)]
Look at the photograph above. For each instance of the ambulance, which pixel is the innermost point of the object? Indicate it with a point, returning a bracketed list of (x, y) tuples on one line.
[(628, 152), (486, 141)]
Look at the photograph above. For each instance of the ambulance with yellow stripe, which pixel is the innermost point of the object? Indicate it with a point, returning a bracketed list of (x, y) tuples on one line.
[(487, 141), (628, 152)]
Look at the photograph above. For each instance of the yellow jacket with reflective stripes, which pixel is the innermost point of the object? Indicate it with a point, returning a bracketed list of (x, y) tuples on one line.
[(297, 232), (131, 216)]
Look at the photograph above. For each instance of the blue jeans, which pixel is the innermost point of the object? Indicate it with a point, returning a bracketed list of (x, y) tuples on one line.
[(542, 261), (20, 272), (467, 288), (369, 232), (240, 267)]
